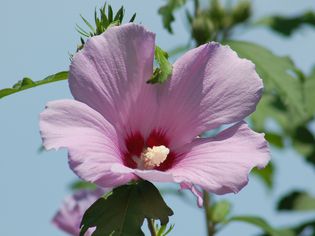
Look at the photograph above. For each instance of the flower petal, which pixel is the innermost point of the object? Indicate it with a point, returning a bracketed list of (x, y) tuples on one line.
[(221, 164), (70, 214), (92, 142), (210, 86), (109, 74)]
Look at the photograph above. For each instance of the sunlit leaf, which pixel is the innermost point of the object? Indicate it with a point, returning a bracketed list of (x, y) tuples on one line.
[(167, 12), (286, 25), (164, 71), (27, 83), (123, 211), (297, 201), (277, 75)]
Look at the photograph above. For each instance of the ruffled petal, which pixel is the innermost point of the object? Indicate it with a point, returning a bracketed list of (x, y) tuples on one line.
[(221, 164), (109, 74), (210, 86), (91, 141)]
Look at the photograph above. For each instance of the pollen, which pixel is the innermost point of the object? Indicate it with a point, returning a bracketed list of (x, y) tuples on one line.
[(153, 157)]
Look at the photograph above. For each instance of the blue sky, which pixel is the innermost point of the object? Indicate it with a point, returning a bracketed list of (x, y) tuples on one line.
[(36, 38)]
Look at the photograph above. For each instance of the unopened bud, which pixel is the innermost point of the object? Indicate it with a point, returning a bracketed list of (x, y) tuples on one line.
[(241, 12), (202, 29)]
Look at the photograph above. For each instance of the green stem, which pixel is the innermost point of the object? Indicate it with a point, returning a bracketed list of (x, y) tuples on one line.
[(206, 205), (151, 226), (196, 7)]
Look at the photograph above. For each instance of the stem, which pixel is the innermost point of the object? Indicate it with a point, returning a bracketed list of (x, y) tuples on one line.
[(196, 7), (151, 226), (206, 205)]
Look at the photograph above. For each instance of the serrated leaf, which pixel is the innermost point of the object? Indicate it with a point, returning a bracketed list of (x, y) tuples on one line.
[(27, 83), (167, 12), (262, 224), (287, 25), (277, 75), (219, 211), (297, 201), (123, 211), (266, 175), (164, 71)]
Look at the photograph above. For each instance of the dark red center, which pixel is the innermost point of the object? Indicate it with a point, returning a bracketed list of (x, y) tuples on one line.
[(135, 144)]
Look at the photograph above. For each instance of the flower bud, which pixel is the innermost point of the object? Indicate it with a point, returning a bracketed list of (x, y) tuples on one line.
[(241, 12), (202, 29)]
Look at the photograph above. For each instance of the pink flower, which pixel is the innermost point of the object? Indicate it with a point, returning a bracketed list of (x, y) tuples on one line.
[(69, 216), (119, 128)]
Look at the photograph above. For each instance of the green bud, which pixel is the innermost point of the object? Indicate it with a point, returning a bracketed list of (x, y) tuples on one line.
[(241, 12), (202, 29), (217, 13)]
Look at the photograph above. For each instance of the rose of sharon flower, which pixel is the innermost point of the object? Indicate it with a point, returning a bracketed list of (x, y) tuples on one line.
[(119, 128), (70, 214)]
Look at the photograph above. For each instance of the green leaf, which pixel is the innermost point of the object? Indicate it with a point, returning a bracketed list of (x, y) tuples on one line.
[(270, 106), (304, 228), (277, 75), (219, 211), (161, 231), (262, 224), (102, 22), (307, 226), (309, 95), (167, 12), (123, 211), (266, 175), (164, 71), (274, 139), (303, 141), (88, 24), (132, 19), (27, 83), (79, 184), (287, 25), (297, 201)]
